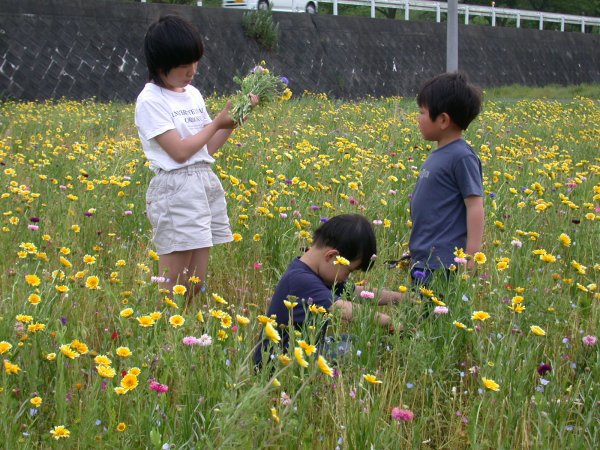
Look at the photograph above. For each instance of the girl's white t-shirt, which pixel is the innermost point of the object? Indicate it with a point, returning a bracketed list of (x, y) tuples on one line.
[(158, 110)]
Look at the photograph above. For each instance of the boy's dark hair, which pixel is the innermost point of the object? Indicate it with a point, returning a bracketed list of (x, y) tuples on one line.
[(453, 94), (350, 234), (171, 42)]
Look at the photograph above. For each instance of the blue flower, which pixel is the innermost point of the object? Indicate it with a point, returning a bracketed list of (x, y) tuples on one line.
[(284, 80)]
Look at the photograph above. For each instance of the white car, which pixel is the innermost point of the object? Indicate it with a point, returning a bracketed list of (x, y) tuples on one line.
[(309, 6)]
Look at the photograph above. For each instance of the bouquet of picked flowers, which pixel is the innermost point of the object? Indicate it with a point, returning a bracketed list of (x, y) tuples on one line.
[(260, 82)]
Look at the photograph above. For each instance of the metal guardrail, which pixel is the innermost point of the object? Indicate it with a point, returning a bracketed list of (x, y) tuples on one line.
[(469, 11)]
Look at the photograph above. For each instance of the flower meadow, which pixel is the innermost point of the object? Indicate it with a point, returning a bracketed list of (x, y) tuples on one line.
[(95, 355)]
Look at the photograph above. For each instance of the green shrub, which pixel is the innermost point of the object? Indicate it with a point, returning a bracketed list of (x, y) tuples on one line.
[(259, 25)]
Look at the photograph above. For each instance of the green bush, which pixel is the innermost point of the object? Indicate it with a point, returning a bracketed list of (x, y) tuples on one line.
[(259, 25)]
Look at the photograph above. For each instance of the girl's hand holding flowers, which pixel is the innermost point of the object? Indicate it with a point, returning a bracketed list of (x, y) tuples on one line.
[(258, 88)]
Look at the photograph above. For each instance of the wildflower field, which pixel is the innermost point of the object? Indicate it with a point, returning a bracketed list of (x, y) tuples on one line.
[(506, 358)]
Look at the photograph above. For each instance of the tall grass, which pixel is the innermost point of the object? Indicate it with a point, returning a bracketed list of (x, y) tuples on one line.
[(73, 182)]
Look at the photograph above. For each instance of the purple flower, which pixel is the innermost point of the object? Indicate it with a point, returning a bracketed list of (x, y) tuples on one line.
[(284, 80), (323, 219), (34, 219), (543, 369), (419, 274)]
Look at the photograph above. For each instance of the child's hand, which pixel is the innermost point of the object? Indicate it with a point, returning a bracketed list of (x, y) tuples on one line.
[(254, 99), (223, 120)]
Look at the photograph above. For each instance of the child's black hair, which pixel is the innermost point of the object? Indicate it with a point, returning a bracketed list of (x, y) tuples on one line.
[(350, 234), (453, 94), (170, 42)]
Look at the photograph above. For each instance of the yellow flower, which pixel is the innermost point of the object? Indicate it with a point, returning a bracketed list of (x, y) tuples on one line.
[(565, 239), (79, 346), (341, 261), (226, 321), (153, 255), (66, 350), (4, 347), (402, 289), (145, 321), (480, 315), (36, 401), (317, 309), (284, 359), (459, 324), (129, 382), (23, 318), (490, 384), (50, 356), (62, 288), (103, 360), (290, 305), (272, 333), (34, 299), (60, 432), (242, 320), (322, 363), (217, 298), (105, 371), (121, 427), (287, 94), (371, 379), (176, 321), (548, 258), (200, 317), (178, 289), (127, 312), (92, 282), (89, 259), (274, 415), (120, 390), (308, 348), (237, 237), (65, 262), (35, 327), (134, 371), (537, 330), (222, 335), (479, 258), (123, 352), (299, 355), (11, 368), (32, 280)]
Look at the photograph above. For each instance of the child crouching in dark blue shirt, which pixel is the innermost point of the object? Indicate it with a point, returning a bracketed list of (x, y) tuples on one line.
[(318, 279)]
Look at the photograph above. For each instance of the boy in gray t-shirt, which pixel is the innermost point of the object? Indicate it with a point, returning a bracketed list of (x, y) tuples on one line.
[(446, 206)]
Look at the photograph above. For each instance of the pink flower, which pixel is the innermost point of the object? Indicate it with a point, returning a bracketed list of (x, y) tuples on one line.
[(160, 388), (440, 310), (128, 213), (257, 266), (191, 340), (405, 415), (367, 294), (33, 227), (589, 340), (458, 260)]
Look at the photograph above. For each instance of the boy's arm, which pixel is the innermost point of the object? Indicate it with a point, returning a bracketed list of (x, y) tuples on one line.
[(346, 307), (475, 224)]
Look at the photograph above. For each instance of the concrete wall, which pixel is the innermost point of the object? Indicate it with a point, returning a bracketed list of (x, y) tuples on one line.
[(82, 48)]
